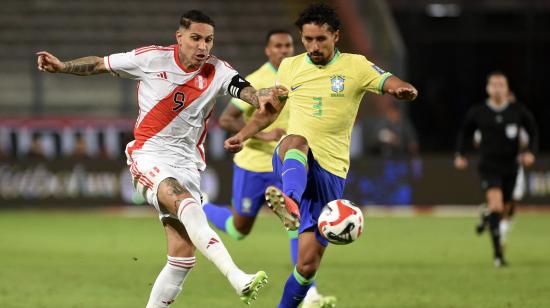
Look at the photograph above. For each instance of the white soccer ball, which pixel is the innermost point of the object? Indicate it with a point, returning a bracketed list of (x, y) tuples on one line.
[(340, 222)]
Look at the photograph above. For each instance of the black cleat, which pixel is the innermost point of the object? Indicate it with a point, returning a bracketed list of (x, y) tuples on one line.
[(500, 262), (480, 228)]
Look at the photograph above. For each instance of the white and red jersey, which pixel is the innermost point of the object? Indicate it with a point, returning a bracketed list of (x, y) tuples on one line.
[(174, 104)]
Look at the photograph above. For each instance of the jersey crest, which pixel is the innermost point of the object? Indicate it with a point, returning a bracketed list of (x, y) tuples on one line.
[(337, 85)]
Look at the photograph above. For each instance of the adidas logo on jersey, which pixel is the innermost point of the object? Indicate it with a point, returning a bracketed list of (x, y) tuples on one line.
[(162, 75)]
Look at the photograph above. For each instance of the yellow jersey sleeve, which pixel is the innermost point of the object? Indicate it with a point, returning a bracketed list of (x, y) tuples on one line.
[(372, 76), (256, 154)]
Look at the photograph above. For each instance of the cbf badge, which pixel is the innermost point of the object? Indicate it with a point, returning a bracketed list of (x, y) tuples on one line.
[(337, 85)]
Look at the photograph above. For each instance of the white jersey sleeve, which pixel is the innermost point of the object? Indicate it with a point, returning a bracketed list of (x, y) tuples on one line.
[(124, 65), (227, 72)]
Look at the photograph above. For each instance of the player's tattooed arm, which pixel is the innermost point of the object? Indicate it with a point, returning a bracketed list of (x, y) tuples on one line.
[(249, 95), (83, 66)]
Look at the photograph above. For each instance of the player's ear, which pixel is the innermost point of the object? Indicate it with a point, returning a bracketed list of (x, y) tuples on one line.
[(336, 36), (179, 36)]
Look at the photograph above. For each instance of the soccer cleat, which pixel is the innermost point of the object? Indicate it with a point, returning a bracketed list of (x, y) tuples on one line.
[(480, 228), (483, 213), (321, 302), (250, 290), (284, 207), (500, 262)]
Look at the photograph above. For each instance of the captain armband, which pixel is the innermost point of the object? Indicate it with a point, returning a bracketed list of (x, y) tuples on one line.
[(237, 84)]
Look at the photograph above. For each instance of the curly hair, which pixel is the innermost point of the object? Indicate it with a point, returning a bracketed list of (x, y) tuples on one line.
[(319, 14)]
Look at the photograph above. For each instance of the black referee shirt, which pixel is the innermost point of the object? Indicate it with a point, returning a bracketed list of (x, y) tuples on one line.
[(500, 129)]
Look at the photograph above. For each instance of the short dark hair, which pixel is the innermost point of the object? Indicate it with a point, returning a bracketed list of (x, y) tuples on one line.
[(275, 31), (496, 73), (195, 16), (319, 14)]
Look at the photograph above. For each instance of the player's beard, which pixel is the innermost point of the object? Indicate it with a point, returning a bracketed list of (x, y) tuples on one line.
[(320, 61)]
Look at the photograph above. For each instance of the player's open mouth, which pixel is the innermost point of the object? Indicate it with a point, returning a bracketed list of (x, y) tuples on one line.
[(200, 57)]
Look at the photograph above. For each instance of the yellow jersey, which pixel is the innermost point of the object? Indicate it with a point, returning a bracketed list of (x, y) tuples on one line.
[(256, 154), (323, 102)]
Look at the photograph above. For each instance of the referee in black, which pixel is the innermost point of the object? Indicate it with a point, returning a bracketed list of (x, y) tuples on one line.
[(499, 121)]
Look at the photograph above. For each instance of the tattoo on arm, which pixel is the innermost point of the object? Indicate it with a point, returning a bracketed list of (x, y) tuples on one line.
[(85, 66), (248, 95)]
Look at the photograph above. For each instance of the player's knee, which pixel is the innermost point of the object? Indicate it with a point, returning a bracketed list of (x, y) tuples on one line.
[(170, 191), (294, 142), (307, 269)]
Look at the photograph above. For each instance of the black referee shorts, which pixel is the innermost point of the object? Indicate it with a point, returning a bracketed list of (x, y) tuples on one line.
[(505, 182)]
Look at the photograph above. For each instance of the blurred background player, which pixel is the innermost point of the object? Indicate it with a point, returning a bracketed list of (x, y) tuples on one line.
[(517, 194), (252, 168), (326, 87), (499, 123), (177, 90)]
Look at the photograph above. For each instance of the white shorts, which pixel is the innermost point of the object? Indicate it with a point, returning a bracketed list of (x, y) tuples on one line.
[(148, 171)]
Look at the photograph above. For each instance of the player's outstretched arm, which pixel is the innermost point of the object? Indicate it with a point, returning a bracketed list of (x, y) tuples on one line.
[(260, 120), (83, 66), (231, 119), (400, 89)]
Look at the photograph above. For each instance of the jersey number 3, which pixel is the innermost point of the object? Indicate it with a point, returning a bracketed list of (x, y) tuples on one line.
[(179, 100)]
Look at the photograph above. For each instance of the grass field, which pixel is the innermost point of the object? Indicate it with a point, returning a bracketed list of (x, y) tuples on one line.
[(89, 259)]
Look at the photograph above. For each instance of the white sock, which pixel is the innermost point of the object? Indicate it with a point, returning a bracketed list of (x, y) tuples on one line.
[(192, 216), (504, 227), (312, 294), (169, 282)]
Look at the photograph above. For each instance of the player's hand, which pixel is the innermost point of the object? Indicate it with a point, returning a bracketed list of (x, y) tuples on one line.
[(461, 162), (270, 99), (233, 144), (273, 135), (282, 93), (406, 93), (48, 62), (527, 159)]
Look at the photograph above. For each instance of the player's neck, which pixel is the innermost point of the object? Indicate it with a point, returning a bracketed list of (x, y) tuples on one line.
[(498, 102), (274, 66), (186, 63)]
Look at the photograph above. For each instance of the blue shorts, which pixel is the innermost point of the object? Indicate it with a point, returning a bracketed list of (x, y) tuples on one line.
[(249, 188), (322, 187)]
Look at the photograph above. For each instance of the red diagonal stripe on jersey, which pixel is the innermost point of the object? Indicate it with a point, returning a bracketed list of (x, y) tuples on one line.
[(203, 135), (162, 113)]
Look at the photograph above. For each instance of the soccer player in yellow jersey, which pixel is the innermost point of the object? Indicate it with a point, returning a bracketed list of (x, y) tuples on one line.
[(252, 168), (325, 89)]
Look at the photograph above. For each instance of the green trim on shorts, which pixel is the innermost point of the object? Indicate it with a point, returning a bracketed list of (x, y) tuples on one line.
[(301, 279), (297, 155), (231, 230)]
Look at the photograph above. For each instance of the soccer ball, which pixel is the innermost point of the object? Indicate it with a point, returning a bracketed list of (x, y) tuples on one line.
[(340, 222)]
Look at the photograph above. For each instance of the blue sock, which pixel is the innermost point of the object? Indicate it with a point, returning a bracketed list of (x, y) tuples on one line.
[(294, 174), (295, 290), (293, 235), (217, 215)]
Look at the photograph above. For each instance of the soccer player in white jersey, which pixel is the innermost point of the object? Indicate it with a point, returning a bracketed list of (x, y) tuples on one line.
[(177, 88)]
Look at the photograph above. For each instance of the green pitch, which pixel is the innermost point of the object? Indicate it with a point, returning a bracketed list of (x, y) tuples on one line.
[(58, 259)]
